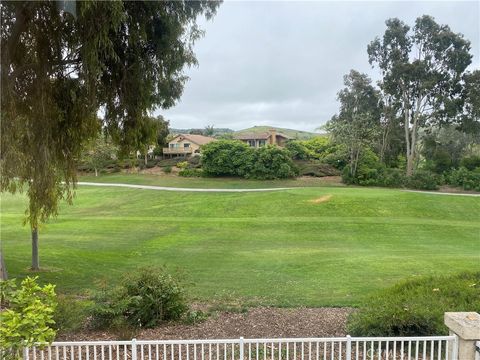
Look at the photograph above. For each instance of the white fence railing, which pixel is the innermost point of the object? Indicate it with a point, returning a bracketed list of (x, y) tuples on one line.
[(338, 348)]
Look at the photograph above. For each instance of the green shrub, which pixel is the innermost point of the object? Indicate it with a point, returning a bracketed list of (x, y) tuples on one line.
[(145, 298), (27, 317), (191, 173), (194, 161), (193, 317), (271, 162), (226, 158), (70, 314), (467, 180), (368, 170), (424, 180), (151, 163), (471, 162), (167, 169), (297, 150), (382, 176), (182, 164), (416, 307)]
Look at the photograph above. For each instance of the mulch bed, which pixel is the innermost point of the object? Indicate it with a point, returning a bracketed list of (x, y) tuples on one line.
[(259, 322)]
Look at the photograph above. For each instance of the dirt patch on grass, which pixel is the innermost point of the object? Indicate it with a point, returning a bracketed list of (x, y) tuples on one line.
[(256, 323), (321, 199)]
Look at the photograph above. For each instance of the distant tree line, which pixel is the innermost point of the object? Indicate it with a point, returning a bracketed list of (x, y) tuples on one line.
[(422, 119)]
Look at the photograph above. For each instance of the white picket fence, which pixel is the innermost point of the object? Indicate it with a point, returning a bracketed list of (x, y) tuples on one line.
[(337, 348)]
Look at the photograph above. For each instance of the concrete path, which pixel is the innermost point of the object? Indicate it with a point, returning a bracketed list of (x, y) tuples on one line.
[(441, 193), (165, 188)]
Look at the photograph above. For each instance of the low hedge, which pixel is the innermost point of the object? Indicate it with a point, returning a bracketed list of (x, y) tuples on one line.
[(415, 307), (464, 178)]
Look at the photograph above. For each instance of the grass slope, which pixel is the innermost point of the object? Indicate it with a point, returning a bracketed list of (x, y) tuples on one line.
[(294, 134), (262, 248)]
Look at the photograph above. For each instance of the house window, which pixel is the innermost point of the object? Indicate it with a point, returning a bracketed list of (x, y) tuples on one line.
[(261, 142), (186, 145), (251, 143)]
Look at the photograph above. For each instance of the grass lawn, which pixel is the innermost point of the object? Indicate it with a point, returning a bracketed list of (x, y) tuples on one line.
[(273, 248), (218, 183)]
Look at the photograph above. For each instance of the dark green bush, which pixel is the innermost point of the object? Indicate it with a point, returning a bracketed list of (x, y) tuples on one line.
[(297, 150), (234, 158), (145, 298), (191, 173), (416, 307), (382, 176), (271, 162), (194, 161), (424, 180), (471, 162), (226, 158), (467, 180), (70, 314), (368, 170), (167, 169)]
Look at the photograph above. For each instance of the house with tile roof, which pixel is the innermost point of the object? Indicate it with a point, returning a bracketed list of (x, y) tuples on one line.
[(186, 144), (264, 138)]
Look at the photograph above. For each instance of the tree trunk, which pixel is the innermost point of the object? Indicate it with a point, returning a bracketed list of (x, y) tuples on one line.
[(146, 159), (35, 257), (96, 172), (410, 162), (3, 268)]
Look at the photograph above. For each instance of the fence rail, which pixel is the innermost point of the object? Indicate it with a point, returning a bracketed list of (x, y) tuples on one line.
[(335, 348)]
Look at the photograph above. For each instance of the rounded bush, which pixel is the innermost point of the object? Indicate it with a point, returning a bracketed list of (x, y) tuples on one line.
[(424, 180), (416, 307), (146, 298)]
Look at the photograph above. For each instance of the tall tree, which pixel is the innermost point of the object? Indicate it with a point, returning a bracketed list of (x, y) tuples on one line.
[(422, 71), (162, 131), (209, 130), (98, 152), (58, 70), (469, 119), (357, 123)]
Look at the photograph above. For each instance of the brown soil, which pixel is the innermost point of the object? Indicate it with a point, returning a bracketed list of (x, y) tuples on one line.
[(321, 199), (256, 323)]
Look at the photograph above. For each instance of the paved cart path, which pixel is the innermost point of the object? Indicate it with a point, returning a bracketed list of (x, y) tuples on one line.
[(167, 188)]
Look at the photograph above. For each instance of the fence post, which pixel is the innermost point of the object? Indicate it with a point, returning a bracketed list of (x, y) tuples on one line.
[(349, 347), (134, 349), (466, 328), (241, 347), (25, 353)]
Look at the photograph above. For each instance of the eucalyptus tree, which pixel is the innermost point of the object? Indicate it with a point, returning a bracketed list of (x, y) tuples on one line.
[(422, 71), (357, 123), (469, 119), (59, 69)]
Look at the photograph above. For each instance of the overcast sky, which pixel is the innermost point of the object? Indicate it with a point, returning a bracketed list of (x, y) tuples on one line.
[(281, 63)]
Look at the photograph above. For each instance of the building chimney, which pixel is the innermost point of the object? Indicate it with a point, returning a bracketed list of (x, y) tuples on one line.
[(273, 136)]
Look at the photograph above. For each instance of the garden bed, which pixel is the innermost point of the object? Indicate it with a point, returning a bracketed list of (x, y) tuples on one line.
[(255, 323)]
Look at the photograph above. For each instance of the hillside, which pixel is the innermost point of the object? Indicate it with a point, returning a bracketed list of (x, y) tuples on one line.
[(295, 134), (216, 131)]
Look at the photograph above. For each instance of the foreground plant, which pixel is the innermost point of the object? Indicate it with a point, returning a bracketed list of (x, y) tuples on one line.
[(27, 316)]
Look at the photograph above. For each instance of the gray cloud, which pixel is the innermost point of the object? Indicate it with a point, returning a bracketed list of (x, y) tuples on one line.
[(282, 63)]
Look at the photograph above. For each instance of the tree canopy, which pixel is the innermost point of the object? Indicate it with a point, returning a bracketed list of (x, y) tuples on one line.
[(58, 71), (357, 122), (422, 72)]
